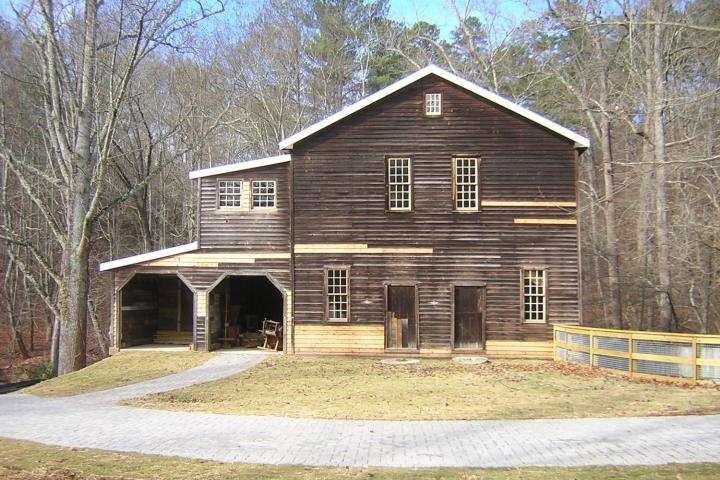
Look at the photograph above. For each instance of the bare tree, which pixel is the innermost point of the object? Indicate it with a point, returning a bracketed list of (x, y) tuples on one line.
[(84, 90)]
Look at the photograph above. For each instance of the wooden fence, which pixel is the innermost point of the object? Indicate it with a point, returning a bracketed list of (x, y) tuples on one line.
[(666, 356)]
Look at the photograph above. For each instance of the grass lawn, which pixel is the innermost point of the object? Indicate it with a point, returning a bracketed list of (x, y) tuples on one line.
[(25, 461), (344, 388), (121, 369)]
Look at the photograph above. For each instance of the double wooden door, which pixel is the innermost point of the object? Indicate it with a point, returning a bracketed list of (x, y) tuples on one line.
[(469, 321)]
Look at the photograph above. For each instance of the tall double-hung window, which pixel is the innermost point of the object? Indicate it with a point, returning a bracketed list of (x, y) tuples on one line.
[(399, 174), (337, 291), (534, 305), (465, 184)]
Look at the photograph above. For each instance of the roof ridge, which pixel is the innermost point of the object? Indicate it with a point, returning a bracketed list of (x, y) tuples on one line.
[(289, 142)]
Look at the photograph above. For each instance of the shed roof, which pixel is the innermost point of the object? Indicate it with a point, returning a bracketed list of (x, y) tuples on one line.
[(580, 141), (236, 167), (146, 257)]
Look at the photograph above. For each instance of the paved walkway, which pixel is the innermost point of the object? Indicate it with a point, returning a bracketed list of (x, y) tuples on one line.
[(93, 421)]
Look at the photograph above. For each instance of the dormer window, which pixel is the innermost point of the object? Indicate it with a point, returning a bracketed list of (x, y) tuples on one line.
[(229, 193), (433, 104)]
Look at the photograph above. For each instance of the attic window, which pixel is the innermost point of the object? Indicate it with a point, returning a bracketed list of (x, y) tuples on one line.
[(229, 193), (433, 104)]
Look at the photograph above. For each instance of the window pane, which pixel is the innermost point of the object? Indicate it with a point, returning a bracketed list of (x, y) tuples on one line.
[(336, 292), (534, 295), (399, 184), (230, 193), (466, 183), (263, 193), (433, 104)]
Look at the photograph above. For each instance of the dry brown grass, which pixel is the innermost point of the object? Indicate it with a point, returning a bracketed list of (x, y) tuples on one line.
[(344, 388), (121, 369)]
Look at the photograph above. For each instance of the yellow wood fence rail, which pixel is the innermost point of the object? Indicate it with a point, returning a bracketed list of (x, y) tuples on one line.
[(667, 356)]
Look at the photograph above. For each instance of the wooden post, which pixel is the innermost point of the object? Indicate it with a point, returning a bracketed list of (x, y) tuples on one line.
[(630, 355), (555, 359), (694, 359), (179, 304)]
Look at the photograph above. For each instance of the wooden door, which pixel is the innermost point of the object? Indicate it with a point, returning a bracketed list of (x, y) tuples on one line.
[(469, 327), (401, 326)]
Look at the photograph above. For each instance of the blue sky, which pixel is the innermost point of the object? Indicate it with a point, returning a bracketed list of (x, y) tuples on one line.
[(439, 12)]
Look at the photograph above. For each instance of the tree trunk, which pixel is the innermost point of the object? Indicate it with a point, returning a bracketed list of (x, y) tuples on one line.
[(657, 72), (642, 235), (611, 239), (73, 310), (75, 265), (592, 199)]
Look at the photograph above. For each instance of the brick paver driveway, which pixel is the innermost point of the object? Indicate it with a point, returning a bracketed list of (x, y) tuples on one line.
[(94, 421)]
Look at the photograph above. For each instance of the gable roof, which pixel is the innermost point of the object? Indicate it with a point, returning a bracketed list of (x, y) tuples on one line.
[(288, 143), (146, 257), (236, 167)]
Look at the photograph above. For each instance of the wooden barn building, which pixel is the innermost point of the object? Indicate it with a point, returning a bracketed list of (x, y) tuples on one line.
[(433, 217)]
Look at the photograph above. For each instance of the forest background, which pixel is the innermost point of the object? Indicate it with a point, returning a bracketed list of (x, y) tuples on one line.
[(106, 106)]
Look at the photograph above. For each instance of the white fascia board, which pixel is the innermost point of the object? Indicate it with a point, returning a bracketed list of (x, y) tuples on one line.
[(579, 140), (146, 257), (236, 167)]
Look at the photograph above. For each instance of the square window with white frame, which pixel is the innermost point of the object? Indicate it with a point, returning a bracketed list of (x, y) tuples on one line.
[(337, 294), (433, 104), (534, 305), (264, 193), (399, 184), (229, 193), (465, 183)]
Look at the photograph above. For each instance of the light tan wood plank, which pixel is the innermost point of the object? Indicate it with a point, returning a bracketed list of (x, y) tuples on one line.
[(509, 204), (545, 221), (357, 248)]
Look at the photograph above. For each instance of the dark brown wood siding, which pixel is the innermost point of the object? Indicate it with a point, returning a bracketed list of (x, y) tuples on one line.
[(255, 229), (339, 189)]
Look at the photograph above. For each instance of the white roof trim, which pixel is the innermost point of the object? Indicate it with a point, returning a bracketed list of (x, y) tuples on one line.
[(581, 141), (235, 167), (146, 257)]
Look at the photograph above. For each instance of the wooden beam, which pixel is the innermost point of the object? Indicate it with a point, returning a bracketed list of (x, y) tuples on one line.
[(510, 204), (214, 259), (358, 248), (545, 221)]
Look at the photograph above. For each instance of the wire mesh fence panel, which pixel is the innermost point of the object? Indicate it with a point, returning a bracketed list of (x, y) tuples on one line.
[(579, 339), (709, 352), (612, 343), (656, 354), (579, 357), (664, 369), (709, 373), (613, 363), (661, 347)]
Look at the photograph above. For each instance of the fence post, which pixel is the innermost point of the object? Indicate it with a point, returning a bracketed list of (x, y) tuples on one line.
[(592, 347), (630, 355), (694, 359)]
